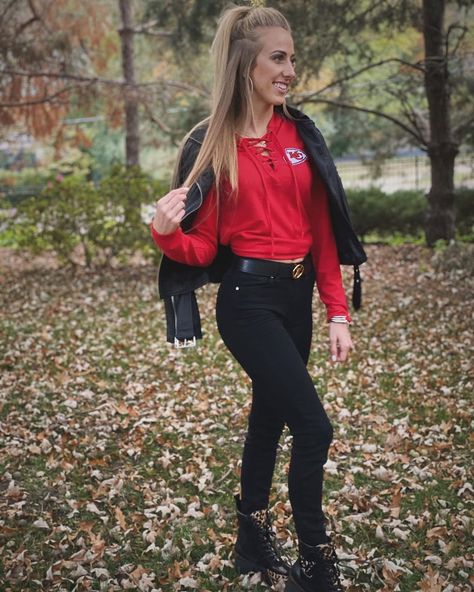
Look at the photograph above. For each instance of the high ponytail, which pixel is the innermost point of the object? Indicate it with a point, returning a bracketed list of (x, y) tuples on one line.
[(235, 48)]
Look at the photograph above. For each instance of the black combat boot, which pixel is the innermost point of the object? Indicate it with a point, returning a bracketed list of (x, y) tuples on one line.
[(316, 570), (256, 548)]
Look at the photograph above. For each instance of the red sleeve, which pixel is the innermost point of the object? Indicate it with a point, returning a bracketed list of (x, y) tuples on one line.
[(325, 257), (199, 245)]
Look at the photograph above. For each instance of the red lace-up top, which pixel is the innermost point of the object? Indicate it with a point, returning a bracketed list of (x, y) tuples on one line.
[(280, 212)]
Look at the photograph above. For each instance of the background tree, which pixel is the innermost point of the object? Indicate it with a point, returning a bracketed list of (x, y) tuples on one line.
[(414, 82), (62, 57), (132, 132), (443, 142), (52, 55), (405, 62)]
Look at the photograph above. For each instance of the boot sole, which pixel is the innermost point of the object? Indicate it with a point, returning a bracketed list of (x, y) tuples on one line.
[(244, 566), (292, 586)]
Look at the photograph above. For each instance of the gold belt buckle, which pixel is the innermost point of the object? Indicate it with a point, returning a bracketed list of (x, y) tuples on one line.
[(297, 271)]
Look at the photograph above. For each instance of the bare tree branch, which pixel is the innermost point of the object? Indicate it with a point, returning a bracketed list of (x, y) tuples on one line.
[(7, 8), (352, 75), (149, 25), (161, 34), (451, 28), (25, 25), (176, 84), (165, 128), (410, 113), (33, 19), (418, 138), (35, 12), (38, 17), (45, 99), (364, 13), (105, 81), (56, 75), (460, 130), (145, 29), (33, 9)]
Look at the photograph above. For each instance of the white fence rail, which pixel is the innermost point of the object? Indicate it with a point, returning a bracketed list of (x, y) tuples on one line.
[(400, 173)]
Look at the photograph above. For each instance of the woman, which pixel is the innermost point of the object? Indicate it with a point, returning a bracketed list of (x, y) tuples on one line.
[(258, 206)]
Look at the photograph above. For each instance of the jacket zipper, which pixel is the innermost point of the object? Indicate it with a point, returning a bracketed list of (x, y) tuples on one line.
[(175, 316)]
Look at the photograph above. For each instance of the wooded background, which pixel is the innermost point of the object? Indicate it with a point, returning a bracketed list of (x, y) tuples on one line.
[(378, 76)]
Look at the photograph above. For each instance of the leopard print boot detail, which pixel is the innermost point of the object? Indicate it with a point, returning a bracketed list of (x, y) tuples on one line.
[(316, 570), (257, 549)]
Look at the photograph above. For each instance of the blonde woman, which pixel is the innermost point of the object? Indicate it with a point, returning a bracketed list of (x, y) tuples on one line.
[(259, 207)]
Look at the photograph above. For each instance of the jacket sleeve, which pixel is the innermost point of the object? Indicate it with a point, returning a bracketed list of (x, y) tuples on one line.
[(198, 247), (325, 257)]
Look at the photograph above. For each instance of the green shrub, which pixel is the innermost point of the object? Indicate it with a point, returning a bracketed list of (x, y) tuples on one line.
[(69, 214), (386, 213), (102, 222), (19, 185), (402, 212)]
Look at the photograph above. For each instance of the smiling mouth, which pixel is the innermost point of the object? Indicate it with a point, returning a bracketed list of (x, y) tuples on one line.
[(281, 86)]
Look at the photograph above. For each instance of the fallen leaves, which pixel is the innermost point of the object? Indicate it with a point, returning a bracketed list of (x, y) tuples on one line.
[(120, 455)]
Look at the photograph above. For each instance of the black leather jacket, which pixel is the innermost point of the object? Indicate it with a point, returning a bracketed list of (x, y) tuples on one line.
[(177, 282)]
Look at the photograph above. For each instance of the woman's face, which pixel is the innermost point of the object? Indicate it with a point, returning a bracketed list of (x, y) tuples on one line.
[(274, 68)]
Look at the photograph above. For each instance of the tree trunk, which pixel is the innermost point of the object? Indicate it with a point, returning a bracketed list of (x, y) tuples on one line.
[(442, 149), (132, 132)]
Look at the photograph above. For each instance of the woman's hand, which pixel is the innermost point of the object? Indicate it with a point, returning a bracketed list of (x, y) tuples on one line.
[(340, 341), (170, 211)]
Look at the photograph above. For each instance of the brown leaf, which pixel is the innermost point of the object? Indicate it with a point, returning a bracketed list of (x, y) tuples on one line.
[(431, 581), (124, 409), (437, 532), (119, 515), (395, 504)]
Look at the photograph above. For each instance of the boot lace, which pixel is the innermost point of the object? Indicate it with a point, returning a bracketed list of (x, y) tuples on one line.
[(325, 561), (270, 544)]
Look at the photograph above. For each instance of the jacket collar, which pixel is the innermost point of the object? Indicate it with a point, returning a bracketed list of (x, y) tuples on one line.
[(298, 116)]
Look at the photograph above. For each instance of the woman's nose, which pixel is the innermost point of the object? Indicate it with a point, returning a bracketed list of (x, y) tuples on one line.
[(290, 71)]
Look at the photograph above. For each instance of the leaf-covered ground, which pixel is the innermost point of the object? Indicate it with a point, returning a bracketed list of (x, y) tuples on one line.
[(119, 456)]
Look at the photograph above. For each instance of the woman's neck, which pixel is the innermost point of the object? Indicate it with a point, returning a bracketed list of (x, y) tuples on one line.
[(257, 126)]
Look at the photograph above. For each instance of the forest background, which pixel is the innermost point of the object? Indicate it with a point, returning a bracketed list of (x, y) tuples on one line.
[(118, 454), (122, 82)]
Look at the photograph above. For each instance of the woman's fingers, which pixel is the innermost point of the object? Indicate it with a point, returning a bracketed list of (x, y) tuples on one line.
[(174, 210), (170, 211), (171, 200), (334, 349), (343, 352), (340, 342), (174, 195)]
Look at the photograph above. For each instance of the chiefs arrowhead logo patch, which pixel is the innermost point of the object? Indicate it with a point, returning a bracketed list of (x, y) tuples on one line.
[(295, 155)]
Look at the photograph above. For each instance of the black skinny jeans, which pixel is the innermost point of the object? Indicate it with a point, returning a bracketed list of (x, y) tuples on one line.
[(266, 323)]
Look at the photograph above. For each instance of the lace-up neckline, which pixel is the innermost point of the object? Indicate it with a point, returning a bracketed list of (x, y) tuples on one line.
[(262, 147)]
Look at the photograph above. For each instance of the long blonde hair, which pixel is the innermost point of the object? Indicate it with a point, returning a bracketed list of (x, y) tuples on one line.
[(235, 48)]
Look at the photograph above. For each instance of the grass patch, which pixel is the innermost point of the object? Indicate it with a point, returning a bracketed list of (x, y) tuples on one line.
[(120, 455)]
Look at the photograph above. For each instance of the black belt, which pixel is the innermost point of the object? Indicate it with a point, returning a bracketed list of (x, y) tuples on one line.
[(274, 268)]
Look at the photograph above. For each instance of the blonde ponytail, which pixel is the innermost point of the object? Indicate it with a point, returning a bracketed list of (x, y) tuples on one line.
[(235, 48)]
